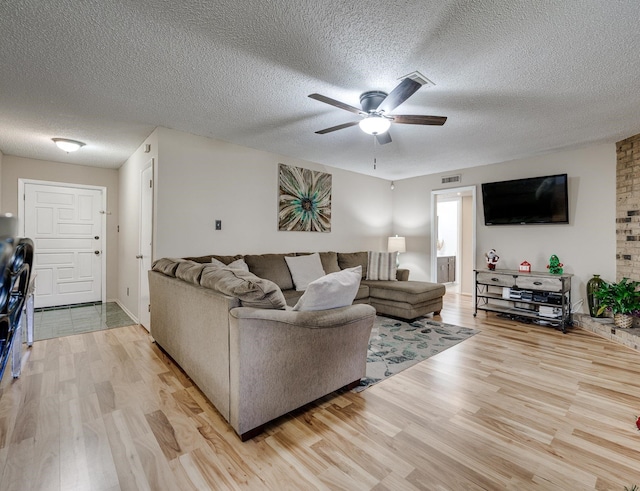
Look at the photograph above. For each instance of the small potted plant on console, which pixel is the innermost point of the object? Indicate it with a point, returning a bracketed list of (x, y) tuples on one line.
[(621, 299)]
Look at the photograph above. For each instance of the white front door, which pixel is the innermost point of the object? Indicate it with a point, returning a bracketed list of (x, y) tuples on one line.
[(65, 225), (146, 234)]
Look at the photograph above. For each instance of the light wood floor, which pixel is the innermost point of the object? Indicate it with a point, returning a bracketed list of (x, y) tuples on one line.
[(513, 407)]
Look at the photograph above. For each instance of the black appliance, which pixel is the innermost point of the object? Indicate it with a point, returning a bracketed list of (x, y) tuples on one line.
[(534, 200)]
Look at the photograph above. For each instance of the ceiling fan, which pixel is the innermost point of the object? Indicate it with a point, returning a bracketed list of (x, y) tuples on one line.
[(376, 106)]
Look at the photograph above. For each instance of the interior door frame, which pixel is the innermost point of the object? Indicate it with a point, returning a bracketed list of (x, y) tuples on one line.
[(434, 229), (103, 226)]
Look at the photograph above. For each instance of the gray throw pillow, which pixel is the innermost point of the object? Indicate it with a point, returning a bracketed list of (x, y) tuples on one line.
[(189, 271), (247, 287), (166, 266), (237, 264)]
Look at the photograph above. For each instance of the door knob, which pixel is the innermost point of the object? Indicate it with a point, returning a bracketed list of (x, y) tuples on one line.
[(97, 253), (139, 256)]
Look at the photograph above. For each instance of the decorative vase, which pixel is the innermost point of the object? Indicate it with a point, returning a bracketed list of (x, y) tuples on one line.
[(623, 321), (594, 304)]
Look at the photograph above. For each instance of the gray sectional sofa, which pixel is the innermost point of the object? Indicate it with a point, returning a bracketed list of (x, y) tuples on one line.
[(404, 299), (253, 356)]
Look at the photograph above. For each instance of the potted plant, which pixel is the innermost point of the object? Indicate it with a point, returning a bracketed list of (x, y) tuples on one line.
[(621, 298)]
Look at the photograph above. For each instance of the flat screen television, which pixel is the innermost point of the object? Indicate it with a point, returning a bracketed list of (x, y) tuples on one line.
[(535, 200)]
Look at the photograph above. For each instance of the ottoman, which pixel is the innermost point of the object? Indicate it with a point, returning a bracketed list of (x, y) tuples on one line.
[(405, 299)]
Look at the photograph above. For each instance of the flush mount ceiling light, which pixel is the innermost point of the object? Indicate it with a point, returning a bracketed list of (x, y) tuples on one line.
[(374, 124), (68, 145)]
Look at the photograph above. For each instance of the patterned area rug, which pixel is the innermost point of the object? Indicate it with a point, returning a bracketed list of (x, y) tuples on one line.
[(396, 345)]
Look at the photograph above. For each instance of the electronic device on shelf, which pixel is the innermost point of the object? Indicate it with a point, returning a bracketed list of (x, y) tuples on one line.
[(540, 297), (526, 295)]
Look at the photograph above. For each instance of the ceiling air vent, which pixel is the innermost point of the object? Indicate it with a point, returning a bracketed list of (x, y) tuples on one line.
[(418, 77), (451, 179)]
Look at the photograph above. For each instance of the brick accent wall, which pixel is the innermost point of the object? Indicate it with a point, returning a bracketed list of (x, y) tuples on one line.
[(628, 208)]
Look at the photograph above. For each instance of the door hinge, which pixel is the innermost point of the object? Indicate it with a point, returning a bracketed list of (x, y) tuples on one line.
[(149, 307), (150, 183)]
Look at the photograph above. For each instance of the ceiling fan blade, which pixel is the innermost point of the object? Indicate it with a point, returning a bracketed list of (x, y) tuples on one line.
[(333, 102), (416, 119), (397, 96), (384, 138), (336, 128)]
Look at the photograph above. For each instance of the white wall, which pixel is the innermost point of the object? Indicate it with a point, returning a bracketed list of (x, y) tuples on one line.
[(201, 180), (587, 245), (14, 168), (466, 275)]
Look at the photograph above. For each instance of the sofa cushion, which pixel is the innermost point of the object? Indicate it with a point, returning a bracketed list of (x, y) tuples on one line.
[(292, 296), (244, 285), (353, 259), (363, 292), (237, 264), (382, 266), (271, 267), (166, 266), (329, 262), (304, 269), (331, 291), (189, 271)]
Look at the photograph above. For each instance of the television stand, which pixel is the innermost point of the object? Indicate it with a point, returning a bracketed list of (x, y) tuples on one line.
[(539, 297)]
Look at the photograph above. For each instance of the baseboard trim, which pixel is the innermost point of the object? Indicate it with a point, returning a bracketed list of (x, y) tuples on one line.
[(126, 311)]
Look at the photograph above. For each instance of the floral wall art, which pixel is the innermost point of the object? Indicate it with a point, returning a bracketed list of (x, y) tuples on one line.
[(304, 202)]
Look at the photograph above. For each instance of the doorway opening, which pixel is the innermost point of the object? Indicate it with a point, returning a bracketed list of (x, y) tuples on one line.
[(453, 238)]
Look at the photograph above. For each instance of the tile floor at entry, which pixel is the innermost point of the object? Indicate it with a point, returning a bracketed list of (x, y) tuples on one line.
[(53, 322)]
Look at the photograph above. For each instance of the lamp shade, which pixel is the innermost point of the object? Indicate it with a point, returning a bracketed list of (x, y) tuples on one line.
[(374, 125), (396, 244)]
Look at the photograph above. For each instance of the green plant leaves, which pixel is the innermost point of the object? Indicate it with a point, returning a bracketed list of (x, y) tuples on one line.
[(621, 297)]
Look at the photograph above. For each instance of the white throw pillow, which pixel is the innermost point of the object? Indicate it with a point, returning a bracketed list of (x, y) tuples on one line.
[(304, 269), (331, 291), (237, 264), (382, 266)]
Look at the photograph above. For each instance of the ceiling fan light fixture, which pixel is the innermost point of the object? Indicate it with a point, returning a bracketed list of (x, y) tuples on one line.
[(68, 145), (374, 125)]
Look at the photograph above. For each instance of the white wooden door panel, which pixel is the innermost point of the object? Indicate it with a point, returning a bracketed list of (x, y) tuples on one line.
[(65, 225), (146, 243)]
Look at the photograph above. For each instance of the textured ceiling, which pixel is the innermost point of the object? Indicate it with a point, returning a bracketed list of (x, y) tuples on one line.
[(515, 78)]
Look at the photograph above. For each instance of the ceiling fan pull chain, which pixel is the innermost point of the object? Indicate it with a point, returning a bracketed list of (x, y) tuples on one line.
[(374, 153)]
